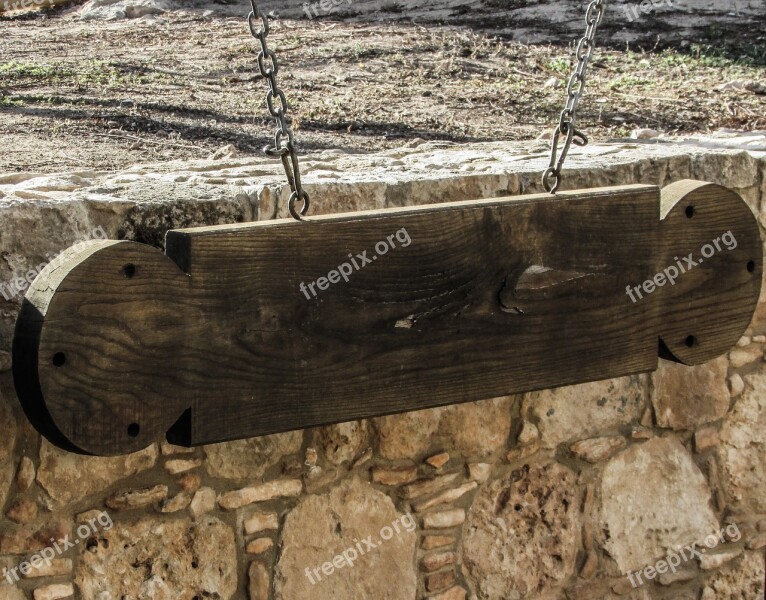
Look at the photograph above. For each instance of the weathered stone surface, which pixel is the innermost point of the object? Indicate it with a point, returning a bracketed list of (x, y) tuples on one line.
[(741, 357), (569, 413), (738, 169), (178, 466), (394, 476), (521, 533), (444, 519), (742, 453), (190, 482), (175, 504), (8, 592), (22, 511), (740, 579), (639, 432), (437, 560), (706, 438), (312, 457), (650, 478), (363, 459), (687, 397), (203, 502), (429, 486), (25, 474), (709, 562), (258, 522), (7, 443), (24, 540), (91, 515), (407, 435), (55, 568), (318, 479), (250, 459), (440, 581), (478, 429), (686, 572), (736, 385), (69, 478), (437, 461), (445, 497), (135, 499), (455, 593), (56, 591), (284, 488), (342, 442), (161, 560), (430, 542), (757, 542), (589, 566), (597, 449), (479, 472), (529, 434), (349, 512), (168, 449), (258, 586), (521, 453), (259, 546)]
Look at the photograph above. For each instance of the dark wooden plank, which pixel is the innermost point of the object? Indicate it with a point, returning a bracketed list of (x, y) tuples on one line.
[(472, 300)]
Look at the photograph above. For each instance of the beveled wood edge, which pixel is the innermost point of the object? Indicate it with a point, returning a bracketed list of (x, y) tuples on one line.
[(416, 209)]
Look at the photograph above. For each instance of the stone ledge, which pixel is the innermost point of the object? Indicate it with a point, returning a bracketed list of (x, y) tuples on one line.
[(43, 214)]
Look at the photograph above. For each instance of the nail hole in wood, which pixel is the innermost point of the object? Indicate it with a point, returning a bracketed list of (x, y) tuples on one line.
[(129, 270), (689, 212), (134, 429), (59, 359), (751, 266), (691, 341)]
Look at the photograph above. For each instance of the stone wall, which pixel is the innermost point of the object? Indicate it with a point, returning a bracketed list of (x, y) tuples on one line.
[(554, 494)]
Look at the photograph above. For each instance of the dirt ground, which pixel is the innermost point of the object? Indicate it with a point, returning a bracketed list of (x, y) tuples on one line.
[(80, 95)]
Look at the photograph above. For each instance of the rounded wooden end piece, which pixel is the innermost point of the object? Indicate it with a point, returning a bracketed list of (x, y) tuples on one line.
[(710, 270)]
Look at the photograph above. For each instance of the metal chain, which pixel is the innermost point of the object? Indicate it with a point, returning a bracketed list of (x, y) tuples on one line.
[(575, 89), (284, 141)]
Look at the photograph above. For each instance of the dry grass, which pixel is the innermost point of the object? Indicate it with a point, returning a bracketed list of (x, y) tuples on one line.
[(193, 87)]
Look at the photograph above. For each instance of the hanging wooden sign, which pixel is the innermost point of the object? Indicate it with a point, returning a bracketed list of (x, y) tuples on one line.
[(257, 328)]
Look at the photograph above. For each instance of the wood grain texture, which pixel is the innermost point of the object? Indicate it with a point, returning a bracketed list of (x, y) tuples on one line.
[(479, 299)]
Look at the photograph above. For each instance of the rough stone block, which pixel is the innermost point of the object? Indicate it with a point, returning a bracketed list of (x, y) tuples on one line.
[(522, 533), (573, 412), (351, 512), (180, 557), (687, 397), (669, 502)]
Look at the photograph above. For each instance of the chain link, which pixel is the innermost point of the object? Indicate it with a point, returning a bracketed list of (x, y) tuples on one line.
[(575, 88), (284, 141)]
